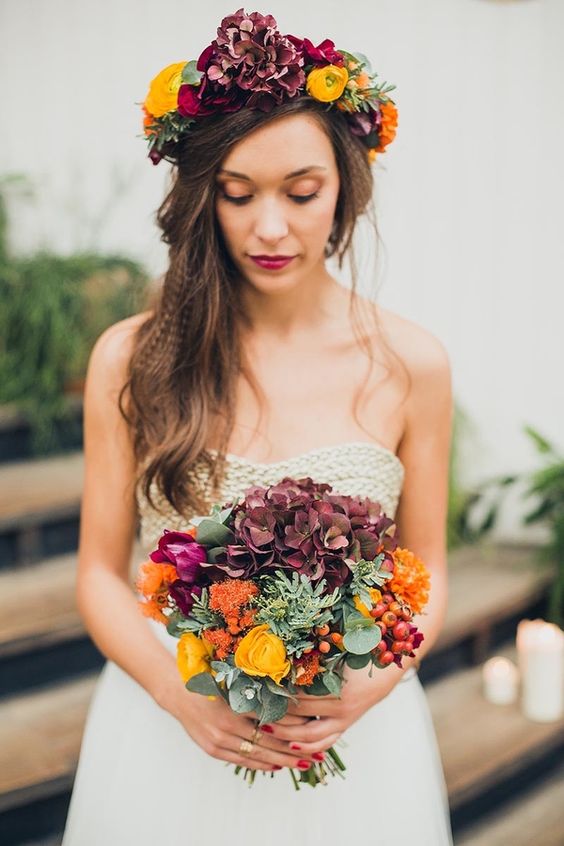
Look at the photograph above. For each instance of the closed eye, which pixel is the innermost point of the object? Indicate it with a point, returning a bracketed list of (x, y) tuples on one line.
[(297, 198)]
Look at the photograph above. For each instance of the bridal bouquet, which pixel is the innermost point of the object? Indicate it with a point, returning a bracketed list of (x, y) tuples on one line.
[(279, 592)]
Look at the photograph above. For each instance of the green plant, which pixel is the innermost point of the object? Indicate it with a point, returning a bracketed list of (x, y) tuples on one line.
[(545, 486), (53, 309)]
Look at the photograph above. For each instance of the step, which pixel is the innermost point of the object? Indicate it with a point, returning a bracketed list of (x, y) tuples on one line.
[(488, 750), (16, 443), (42, 636), (39, 508), (537, 817), (491, 587)]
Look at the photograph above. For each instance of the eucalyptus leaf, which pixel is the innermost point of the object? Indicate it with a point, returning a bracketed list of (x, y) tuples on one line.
[(243, 694), (203, 683), (316, 688), (190, 74), (333, 683), (357, 662), (273, 706), (213, 533), (362, 640)]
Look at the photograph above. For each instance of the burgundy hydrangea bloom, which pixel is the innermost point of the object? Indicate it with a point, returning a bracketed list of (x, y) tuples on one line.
[(323, 54), (180, 549), (299, 525), (250, 63)]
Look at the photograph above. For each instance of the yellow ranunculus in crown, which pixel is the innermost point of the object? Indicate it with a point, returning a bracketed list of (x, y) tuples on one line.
[(250, 64)]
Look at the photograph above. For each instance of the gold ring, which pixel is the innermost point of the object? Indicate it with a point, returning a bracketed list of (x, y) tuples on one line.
[(246, 747), (256, 733)]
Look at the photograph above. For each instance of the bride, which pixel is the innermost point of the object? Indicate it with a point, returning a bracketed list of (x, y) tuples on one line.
[(253, 363)]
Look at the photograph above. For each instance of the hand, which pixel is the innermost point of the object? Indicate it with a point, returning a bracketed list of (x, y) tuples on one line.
[(336, 714), (219, 731)]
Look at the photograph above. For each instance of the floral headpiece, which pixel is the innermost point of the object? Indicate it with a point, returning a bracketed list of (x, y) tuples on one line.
[(251, 64)]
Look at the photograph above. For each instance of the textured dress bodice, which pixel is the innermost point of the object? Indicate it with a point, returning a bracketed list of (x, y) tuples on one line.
[(356, 468)]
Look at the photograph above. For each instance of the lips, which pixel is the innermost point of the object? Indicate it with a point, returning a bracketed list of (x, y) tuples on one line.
[(272, 262)]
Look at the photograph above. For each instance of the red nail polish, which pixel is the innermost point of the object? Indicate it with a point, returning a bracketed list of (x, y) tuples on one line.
[(295, 746), (319, 756), (267, 728), (276, 767), (303, 765)]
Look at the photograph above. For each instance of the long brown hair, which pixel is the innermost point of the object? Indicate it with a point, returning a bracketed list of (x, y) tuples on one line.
[(187, 355)]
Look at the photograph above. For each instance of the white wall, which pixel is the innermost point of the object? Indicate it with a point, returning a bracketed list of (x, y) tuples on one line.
[(468, 193)]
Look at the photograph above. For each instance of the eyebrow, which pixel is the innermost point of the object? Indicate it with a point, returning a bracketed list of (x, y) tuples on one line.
[(300, 172)]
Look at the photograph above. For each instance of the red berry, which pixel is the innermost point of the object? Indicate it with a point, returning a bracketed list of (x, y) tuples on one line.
[(401, 630), (387, 598), (398, 646), (395, 606), (382, 626), (386, 657), (379, 609), (323, 646), (389, 618)]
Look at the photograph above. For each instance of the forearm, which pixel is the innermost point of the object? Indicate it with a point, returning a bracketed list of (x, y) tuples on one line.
[(112, 617)]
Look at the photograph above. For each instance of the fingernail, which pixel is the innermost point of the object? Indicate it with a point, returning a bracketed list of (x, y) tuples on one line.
[(319, 756), (276, 767), (268, 728), (303, 765), (295, 746)]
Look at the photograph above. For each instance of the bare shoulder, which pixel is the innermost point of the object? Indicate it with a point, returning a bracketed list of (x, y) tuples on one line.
[(423, 353), (112, 351)]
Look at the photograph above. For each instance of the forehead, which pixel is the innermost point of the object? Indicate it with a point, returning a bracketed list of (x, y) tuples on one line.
[(282, 147)]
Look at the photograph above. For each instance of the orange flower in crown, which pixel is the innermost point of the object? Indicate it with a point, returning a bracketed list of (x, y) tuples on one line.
[(250, 64)]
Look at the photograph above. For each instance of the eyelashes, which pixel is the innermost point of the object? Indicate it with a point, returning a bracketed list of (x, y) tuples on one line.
[(297, 198)]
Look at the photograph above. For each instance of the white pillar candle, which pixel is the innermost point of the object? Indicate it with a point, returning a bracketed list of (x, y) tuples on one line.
[(540, 647), (500, 678)]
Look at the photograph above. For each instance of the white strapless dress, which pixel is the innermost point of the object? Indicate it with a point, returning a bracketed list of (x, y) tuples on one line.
[(142, 780)]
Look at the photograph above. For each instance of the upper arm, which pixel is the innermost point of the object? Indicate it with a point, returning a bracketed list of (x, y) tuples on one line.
[(108, 510), (425, 450)]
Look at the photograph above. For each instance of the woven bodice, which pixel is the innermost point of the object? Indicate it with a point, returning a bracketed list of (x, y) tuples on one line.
[(356, 468)]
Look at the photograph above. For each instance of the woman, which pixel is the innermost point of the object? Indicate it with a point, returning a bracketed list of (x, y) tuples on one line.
[(249, 367)]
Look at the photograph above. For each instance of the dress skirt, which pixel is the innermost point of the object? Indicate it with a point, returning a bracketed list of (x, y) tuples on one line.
[(142, 780)]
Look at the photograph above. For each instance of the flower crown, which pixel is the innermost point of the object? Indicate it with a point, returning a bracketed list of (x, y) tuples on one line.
[(251, 64)]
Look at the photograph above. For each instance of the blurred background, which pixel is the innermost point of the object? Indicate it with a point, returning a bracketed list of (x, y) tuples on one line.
[(468, 199)]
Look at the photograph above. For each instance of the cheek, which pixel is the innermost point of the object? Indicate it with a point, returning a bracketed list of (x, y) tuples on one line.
[(231, 224), (319, 220)]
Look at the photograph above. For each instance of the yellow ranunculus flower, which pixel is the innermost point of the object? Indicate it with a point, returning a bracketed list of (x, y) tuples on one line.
[(262, 653), (193, 655), (375, 596), (327, 83), (163, 90)]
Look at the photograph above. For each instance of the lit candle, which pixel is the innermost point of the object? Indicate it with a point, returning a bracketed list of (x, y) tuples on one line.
[(500, 678), (540, 646)]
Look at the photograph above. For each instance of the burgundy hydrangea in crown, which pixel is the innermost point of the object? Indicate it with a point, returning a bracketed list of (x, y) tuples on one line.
[(250, 64)]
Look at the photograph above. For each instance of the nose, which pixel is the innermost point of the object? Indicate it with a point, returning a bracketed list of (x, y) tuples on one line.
[(271, 224)]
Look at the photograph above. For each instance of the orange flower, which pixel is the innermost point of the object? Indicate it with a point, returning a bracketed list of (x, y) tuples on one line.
[(307, 668), (152, 608), (389, 125), (228, 596), (152, 576), (362, 80), (222, 640), (411, 581)]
